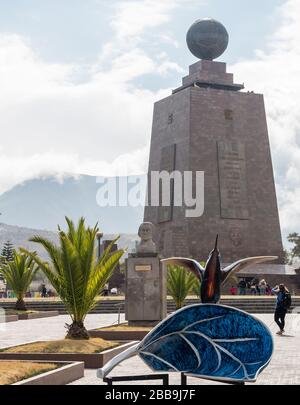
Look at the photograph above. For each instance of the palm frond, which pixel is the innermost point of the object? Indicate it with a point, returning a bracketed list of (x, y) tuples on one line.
[(179, 284), (53, 251)]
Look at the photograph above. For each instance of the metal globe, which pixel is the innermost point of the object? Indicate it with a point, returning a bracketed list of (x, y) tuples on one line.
[(207, 39)]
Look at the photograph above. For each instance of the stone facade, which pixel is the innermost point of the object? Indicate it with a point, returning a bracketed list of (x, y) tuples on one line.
[(209, 125)]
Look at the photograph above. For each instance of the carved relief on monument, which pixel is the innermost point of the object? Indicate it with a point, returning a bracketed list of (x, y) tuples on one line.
[(235, 235), (233, 181), (228, 115), (170, 119), (167, 163)]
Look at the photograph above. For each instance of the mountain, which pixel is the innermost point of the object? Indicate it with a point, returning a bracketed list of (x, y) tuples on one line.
[(43, 203), (20, 238)]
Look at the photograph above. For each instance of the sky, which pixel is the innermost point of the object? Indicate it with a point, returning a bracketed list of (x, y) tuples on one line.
[(78, 79)]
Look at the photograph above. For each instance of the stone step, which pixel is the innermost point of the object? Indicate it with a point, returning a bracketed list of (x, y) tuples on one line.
[(255, 305)]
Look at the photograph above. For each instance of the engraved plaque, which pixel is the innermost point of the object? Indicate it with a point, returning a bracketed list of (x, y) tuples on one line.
[(167, 163), (145, 267), (233, 182)]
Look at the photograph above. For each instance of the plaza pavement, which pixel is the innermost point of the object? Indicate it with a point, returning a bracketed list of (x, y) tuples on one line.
[(283, 369), (16, 333)]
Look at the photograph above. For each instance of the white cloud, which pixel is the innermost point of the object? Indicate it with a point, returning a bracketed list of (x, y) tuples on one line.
[(135, 17), (132, 18), (51, 123), (275, 73), (40, 165), (138, 23)]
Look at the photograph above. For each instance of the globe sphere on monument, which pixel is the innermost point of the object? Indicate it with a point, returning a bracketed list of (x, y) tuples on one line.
[(207, 39)]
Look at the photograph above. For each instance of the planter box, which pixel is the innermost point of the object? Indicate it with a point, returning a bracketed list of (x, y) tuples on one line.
[(9, 318), (37, 315), (118, 335), (94, 360), (66, 374)]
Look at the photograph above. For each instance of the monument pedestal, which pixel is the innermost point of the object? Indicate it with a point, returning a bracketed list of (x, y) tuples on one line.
[(145, 303)]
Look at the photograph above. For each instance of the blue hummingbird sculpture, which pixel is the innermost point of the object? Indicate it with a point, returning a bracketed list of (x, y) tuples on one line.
[(206, 340)]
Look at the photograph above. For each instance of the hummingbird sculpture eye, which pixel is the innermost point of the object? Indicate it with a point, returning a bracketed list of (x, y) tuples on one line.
[(212, 277)]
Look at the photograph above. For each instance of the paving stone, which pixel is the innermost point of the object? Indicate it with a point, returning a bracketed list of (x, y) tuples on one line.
[(16, 333)]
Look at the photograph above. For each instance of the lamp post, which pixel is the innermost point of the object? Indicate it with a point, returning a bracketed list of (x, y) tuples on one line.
[(99, 237)]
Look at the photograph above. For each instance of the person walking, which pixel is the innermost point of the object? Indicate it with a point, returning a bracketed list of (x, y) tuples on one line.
[(283, 303)]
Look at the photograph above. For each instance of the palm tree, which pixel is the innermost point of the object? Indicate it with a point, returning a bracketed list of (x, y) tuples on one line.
[(232, 279), (75, 272), (179, 284), (196, 288), (19, 273)]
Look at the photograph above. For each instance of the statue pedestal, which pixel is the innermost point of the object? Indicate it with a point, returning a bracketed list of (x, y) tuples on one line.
[(145, 301)]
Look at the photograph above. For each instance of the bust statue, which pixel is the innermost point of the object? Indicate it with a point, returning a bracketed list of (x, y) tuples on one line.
[(146, 244)]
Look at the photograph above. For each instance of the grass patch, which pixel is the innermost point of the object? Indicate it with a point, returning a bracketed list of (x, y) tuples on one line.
[(90, 346), (125, 328), (15, 371)]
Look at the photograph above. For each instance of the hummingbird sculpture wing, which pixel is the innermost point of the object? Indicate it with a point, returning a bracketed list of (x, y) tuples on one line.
[(189, 264), (242, 264), (212, 276)]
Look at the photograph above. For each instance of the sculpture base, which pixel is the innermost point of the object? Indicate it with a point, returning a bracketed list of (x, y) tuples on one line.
[(145, 303)]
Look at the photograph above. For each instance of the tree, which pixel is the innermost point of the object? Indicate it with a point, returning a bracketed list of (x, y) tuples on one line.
[(76, 273), (196, 288), (294, 238), (287, 259), (19, 273), (7, 253), (180, 283), (232, 279)]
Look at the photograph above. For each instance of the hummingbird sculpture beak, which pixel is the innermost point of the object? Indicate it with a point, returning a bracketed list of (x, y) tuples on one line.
[(216, 244)]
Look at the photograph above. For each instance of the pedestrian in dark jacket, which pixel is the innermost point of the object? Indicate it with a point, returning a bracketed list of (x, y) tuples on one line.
[(283, 303)]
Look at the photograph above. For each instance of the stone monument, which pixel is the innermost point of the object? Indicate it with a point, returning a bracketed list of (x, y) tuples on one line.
[(145, 300), (210, 125)]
